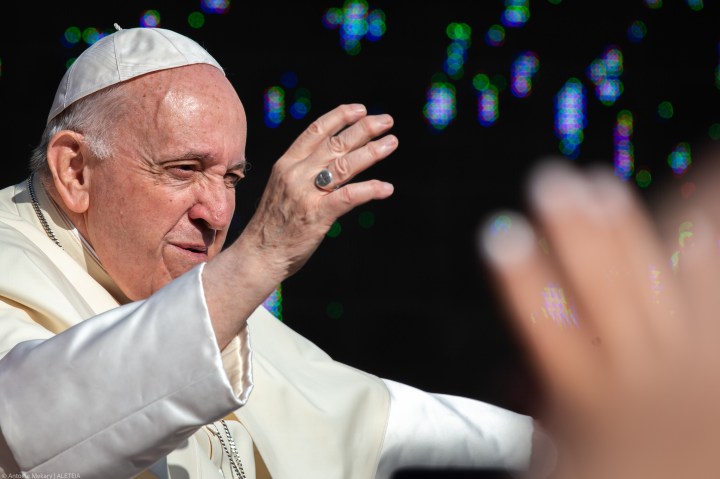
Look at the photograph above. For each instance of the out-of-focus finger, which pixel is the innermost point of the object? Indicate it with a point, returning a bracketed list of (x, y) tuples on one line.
[(343, 169), (592, 259), (325, 127), (696, 263), (541, 309), (649, 283)]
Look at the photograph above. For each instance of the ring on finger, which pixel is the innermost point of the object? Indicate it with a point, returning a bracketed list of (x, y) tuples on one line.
[(324, 180)]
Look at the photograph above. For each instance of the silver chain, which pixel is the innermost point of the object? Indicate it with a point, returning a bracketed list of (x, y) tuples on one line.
[(233, 456), (232, 452), (38, 212)]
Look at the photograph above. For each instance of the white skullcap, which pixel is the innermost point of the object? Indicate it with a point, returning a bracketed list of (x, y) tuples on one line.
[(125, 54)]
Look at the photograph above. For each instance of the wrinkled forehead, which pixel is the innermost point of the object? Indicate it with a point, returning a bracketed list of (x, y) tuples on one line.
[(187, 92), (191, 107)]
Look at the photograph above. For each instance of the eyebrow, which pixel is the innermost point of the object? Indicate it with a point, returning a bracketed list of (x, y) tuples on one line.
[(203, 157), (242, 165)]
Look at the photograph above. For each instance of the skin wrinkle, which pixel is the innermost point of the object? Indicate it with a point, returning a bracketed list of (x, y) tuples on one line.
[(176, 175)]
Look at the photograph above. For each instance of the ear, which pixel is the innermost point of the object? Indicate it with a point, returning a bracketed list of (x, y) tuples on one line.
[(69, 168)]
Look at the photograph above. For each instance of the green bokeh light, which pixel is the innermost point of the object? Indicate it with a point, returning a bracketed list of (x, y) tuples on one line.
[(73, 35), (458, 31), (643, 178), (334, 230), (334, 309), (196, 20), (666, 110), (366, 219), (714, 131), (481, 82)]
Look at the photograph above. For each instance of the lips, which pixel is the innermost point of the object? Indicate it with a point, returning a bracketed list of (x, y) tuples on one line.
[(195, 250)]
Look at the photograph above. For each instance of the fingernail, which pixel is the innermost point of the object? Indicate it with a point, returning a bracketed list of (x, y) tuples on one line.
[(358, 108), (385, 120), (388, 188), (612, 191), (506, 238), (556, 187), (387, 142)]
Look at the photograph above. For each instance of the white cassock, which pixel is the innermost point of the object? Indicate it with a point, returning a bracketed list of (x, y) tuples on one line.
[(94, 386)]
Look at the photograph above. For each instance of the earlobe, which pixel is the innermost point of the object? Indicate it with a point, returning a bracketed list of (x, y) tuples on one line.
[(69, 168)]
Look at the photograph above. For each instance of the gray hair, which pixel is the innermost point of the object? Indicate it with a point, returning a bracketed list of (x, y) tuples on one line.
[(94, 116)]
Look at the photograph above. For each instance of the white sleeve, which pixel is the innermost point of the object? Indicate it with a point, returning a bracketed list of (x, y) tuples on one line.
[(113, 394), (428, 430)]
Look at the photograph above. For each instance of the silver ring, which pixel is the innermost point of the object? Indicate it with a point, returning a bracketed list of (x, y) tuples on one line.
[(324, 179)]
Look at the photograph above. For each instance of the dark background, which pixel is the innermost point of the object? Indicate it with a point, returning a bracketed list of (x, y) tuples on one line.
[(417, 305)]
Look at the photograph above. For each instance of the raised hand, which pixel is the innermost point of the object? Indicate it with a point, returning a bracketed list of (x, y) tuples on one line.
[(295, 213), (620, 319), (296, 210)]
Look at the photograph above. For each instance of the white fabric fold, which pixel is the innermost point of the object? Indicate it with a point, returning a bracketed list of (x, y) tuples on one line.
[(151, 403), (431, 431)]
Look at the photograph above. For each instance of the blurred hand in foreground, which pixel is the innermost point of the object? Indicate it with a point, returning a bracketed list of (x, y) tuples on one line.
[(619, 312)]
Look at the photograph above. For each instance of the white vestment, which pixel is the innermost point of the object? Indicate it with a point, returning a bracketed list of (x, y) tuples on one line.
[(94, 385)]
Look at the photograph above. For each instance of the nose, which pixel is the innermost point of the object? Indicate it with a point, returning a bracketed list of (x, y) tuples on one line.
[(214, 205)]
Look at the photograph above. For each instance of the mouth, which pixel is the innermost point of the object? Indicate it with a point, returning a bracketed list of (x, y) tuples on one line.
[(198, 251)]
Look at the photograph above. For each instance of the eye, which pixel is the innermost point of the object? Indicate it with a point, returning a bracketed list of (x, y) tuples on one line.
[(232, 179), (183, 170)]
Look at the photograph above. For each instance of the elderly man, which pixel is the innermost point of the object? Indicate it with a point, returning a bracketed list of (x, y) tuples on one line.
[(133, 344)]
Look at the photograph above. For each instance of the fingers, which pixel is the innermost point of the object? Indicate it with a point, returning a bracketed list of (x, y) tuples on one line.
[(324, 127), (608, 253), (346, 167), (541, 309), (356, 194)]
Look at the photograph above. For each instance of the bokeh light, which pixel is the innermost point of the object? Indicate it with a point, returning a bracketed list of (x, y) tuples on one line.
[(680, 158), (654, 4), (460, 34), (488, 106), (71, 37), (274, 101), (215, 6), (196, 20), (570, 120), (665, 110), (522, 71), (481, 81), (91, 34), (150, 19), (637, 31), (605, 73), (696, 5), (301, 104), (334, 309), (643, 178), (495, 36), (334, 230), (278, 100), (366, 219), (714, 131), (624, 155), (516, 14), (440, 108), (355, 21)]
